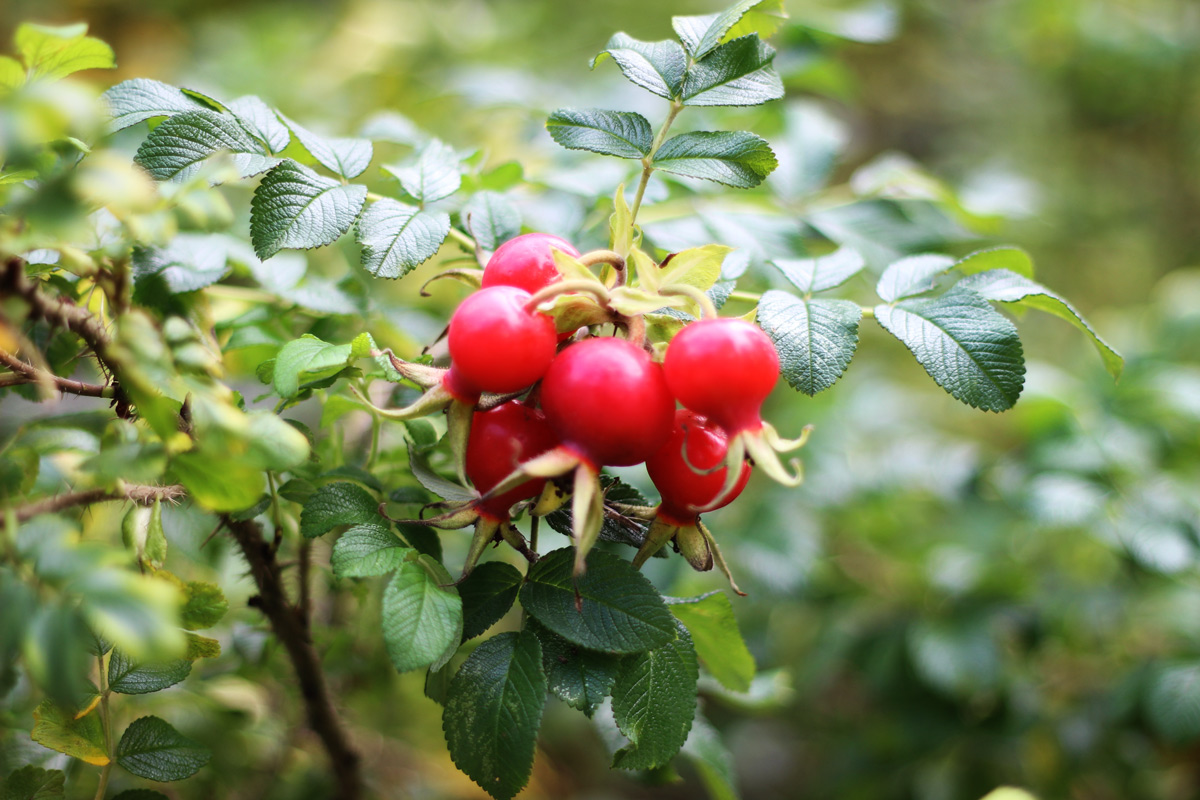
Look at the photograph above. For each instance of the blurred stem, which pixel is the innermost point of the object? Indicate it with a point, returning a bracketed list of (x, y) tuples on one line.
[(27, 373), (138, 493), (462, 238), (648, 159), (749, 297), (106, 723), (376, 428), (305, 564), (275, 516)]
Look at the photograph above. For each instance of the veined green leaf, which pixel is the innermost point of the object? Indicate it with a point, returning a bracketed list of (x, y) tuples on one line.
[(823, 272), (139, 99), (309, 354), (397, 238), (205, 605), (33, 783), (697, 266), (422, 616), (734, 158), (701, 34), (487, 595), (175, 149), (150, 748), (56, 52), (338, 503), (491, 218), (717, 639), (346, 157), (579, 677), (623, 134), (658, 67), (815, 338), (436, 174), (654, 702), (297, 208), (1173, 702), (81, 738), (261, 121), (1013, 259), (127, 676), (737, 73), (367, 549), (911, 276)]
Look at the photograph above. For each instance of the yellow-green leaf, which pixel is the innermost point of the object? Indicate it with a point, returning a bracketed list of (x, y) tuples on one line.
[(697, 266), (81, 738), (56, 52)]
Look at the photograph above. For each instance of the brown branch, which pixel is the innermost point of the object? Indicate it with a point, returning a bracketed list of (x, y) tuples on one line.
[(139, 493), (290, 627), (56, 311), (27, 373)]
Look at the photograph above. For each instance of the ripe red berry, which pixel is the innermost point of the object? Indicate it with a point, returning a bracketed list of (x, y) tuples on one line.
[(723, 369), (502, 439), (682, 488), (496, 345), (607, 400), (526, 262)]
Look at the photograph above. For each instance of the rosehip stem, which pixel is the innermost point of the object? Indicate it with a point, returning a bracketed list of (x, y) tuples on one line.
[(610, 258), (471, 277), (592, 287), (701, 299)]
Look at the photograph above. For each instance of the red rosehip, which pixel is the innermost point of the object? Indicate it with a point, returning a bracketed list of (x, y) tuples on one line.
[(683, 490), (501, 440), (526, 262), (607, 401), (496, 345)]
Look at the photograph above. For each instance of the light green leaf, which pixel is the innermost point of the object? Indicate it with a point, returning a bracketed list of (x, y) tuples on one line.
[(579, 677), (697, 266), (150, 748), (971, 350), (12, 75), (1173, 702), (701, 34), (487, 595), (1009, 793), (1004, 286), (658, 67), (491, 218), (56, 52), (273, 443), (623, 134), (712, 760), (911, 276), (135, 612), (815, 338), (308, 354), (734, 158), (619, 610), (33, 783), (737, 73), (435, 175), (190, 261), (717, 639), (338, 503), (823, 272), (127, 676), (204, 607), (493, 712), (1013, 259), (216, 483), (297, 208), (654, 702), (261, 121), (175, 149), (422, 616), (366, 550), (139, 99), (346, 157), (397, 238), (81, 738)]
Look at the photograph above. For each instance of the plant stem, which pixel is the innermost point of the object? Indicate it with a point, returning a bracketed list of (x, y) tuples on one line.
[(462, 238), (106, 723), (749, 297), (648, 160), (27, 373), (143, 495)]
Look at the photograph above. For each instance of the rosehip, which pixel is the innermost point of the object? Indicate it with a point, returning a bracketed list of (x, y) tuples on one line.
[(501, 440), (608, 402), (695, 443), (496, 345), (526, 262)]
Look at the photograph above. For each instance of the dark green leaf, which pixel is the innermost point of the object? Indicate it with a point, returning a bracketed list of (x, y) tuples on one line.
[(447, 490), (140, 794), (619, 610), (346, 157), (911, 276), (1173, 702), (174, 150), (366, 550), (717, 639), (129, 677), (422, 616), (737, 73), (423, 539), (261, 121), (823, 272), (150, 748), (487, 595), (815, 338), (491, 218), (33, 783), (579, 677), (656, 66), (654, 701), (435, 175), (295, 207), (970, 349), (701, 34), (205, 606), (493, 712), (624, 134), (339, 503), (396, 238), (734, 158), (139, 99)]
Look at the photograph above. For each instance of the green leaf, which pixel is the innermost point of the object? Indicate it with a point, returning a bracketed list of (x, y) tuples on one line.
[(139, 99), (618, 609), (56, 52), (150, 748), (717, 639), (912, 276), (346, 157), (447, 490), (187, 263), (658, 67), (1173, 702), (59, 730), (297, 208), (201, 647), (435, 175), (396, 238), (1004, 286), (175, 149), (579, 677), (12, 75), (308, 354), (654, 702), (697, 266), (623, 134), (1013, 259), (338, 503), (712, 760), (487, 595), (815, 338), (205, 606), (734, 158), (34, 783), (493, 712), (216, 483), (491, 218), (971, 350), (140, 794), (823, 272), (127, 676), (366, 550), (702, 34), (135, 612), (422, 616), (261, 121), (738, 73)]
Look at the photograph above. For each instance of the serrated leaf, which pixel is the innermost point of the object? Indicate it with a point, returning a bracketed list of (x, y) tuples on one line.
[(492, 219), (1013, 259), (654, 702), (347, 157), (422, 616), (623, 134), (308, 354), (815, 338), (396, 238), (33, 783), (912, 276), (435, 175), (737, 73), (702, 34), (126, 676), (139, 99), (366, 550), (487, 595), (338, 503), (493, 712), (56, 52), (150, 748), (717, 639), (619, 609), (579, 677), (297, 208), (261, 121), (658, 67), (59, 730), (1004, 286), (734, 158), (971, 350), (175, 149), (1173, 702), (205, 606), (201, 647), (823, 272)]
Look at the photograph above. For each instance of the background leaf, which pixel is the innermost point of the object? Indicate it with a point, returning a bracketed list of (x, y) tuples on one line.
[(823, 272), (492, 219), (717, 639), (435, 175), (33, 783), (150, 748), (139, 99)]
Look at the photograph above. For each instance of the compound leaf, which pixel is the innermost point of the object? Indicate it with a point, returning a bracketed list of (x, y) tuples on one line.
[(346, 157), (815, 338), (397, 238), (261, 121), (150, 748), (701, 34), (435, 175), (623, 134), (734, 158), (295, 207), (174, 150)]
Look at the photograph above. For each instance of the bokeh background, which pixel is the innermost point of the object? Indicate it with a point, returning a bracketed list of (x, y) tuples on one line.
[(954, 600)]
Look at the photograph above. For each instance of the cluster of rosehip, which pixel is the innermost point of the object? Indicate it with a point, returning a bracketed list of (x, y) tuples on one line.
[(536, 411)]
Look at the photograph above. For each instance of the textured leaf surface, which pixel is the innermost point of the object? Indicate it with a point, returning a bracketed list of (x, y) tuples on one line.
[(823, 272), (717, 639), (174, 150), (658, 67), (487, 595), (139, 99), (295, 207), (150, 748), (738, 73), (624, 134), (367, 549), (310, 354), (435, 175), (734, 158), (204, 607), (397, 238), (619, 610), (911, 276), (58, 729), (1173, 702), (261, 121), (701, 34), (493, 712), (579, 677), (128, 677), (1013, 259), (971, 350), (815, 338), (421, 619), (346, 157), (654, 702), (1005, 286), (33, 783), (492, 219), (338, 503)]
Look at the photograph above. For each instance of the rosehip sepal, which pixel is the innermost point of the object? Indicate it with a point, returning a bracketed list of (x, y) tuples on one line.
[(693, 541)]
